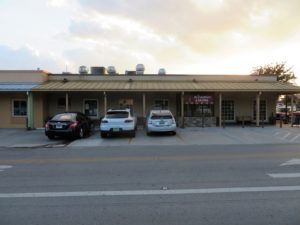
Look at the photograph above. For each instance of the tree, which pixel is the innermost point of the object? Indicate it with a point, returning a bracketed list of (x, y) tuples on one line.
[(283, 73)]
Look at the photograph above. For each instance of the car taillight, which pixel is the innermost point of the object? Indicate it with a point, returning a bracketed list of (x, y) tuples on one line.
[(73, 124), (128, 121), (104, 121), (173, 121), (47, 125), (149, 121)]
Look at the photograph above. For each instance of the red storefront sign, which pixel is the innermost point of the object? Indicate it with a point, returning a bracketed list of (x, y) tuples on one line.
[(199, 99)]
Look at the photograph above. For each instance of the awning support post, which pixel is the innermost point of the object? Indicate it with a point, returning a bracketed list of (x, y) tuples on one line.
[(220, 110), (182, 109), (257, 108)]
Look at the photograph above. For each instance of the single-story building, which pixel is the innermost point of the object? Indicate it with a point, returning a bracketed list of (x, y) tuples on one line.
[(29, 98)]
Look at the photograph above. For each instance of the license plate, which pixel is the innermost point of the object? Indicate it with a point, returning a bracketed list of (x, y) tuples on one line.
[(58, 126), (116, 129), (161, 122)]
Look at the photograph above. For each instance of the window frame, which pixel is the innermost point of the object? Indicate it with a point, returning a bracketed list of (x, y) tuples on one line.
[(13, 107), (233, 111), (260, 108), (163, 100)]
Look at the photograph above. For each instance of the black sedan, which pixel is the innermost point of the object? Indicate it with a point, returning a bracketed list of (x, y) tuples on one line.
[(69, 125)]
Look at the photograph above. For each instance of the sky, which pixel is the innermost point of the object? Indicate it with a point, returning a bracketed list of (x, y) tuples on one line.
[(184, 37)]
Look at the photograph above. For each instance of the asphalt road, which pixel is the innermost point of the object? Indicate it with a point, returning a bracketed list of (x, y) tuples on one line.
[(231, 184)]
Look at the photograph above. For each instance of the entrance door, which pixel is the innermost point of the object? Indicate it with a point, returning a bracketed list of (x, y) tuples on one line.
[(91, 107)]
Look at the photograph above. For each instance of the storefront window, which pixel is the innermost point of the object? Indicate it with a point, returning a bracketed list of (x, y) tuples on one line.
[(198, 105), (61, 102), (228, 110), (19, 108), (161, 104)]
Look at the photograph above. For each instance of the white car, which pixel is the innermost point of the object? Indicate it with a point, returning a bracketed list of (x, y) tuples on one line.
[(160, 121), (118, 121)]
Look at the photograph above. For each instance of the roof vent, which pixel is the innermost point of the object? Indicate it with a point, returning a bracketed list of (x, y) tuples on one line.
[(98, 70), (111, 70), (130, 73), (162, 71), (83, 70), (140, 68)]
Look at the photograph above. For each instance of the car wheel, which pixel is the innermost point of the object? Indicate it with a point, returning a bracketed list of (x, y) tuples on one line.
[(148, 133), (51, 137), (103, 134), (173, 132), (132, 134), (81, 133)]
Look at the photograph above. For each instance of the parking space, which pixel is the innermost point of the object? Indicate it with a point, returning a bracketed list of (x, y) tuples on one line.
[(187, 136), (200, 136)]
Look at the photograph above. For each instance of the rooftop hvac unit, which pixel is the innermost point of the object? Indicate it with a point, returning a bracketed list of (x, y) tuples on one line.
[(162, 71), (111, 70), (98, 70), (129, 73), (83, 70), (140, 68)]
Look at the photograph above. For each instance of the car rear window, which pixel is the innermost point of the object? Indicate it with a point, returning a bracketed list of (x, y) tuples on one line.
[(159, 117), (117, 114), (65, 117)]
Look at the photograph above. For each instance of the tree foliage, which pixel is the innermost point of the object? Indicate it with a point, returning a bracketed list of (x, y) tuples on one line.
[(283, 73)]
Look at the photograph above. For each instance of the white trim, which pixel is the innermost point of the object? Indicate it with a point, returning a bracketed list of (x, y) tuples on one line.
[(234, 108), (200, 191), (83, 107), (266, 120), (12, 107)]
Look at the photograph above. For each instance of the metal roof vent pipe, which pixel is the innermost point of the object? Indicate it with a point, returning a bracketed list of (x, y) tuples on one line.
[(162, 71), (111, 70), (140, 69), (83, 70)]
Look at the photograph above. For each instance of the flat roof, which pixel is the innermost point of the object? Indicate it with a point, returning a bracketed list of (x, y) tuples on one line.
[(4, 87)]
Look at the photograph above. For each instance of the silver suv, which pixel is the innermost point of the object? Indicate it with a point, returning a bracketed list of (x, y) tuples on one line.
[(118, 121), (160, 121)]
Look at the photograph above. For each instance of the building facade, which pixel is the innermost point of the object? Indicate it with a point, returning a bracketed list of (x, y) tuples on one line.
[(29, 98)]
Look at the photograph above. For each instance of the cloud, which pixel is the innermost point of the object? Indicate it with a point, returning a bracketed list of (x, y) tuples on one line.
[(115, 38), (27, 58), (206, 25)]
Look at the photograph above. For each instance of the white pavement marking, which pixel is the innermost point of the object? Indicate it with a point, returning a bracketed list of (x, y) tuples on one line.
[(284, 175), (4, 167), (151, 192), (294, 138), (291, 162), (285, 136)]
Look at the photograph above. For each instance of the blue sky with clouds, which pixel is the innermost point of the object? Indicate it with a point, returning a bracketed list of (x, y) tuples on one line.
[(192, 36)]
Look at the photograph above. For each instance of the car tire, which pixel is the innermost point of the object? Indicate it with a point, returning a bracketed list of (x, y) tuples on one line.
[(132, 134), (174, 133), (81, 133), (148, 133), (103, 134), (51, 137)]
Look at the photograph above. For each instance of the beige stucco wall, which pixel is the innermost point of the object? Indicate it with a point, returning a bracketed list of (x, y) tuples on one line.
[(243, 103), (7, 120), (23, 76)]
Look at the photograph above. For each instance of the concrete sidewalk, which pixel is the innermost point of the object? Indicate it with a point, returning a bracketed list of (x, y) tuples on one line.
[(26, 138), (187, 136)]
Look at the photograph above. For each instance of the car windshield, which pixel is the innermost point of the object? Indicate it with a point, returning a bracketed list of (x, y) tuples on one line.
[(159, 117), (65, 117), (117, 114)]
